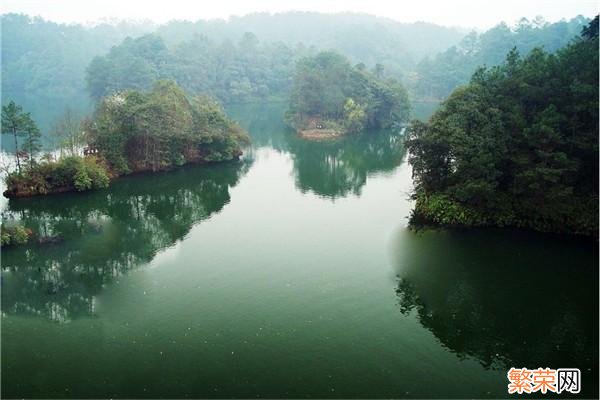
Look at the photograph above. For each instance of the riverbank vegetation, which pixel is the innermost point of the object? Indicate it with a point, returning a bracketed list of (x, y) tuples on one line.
[(131, 131), (14, 235), (517, 146), (332, 96)]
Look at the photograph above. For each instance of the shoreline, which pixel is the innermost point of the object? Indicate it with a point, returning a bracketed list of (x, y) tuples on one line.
[(444, 213), (112, 177), (319, 134)]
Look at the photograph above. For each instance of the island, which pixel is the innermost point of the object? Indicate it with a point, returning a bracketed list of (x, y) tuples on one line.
[(516, 147), (331, 98), (130, 131)]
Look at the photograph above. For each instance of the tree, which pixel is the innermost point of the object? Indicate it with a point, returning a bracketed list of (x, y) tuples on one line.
[(517, 146), (378, 71), (68, 131), (32, 135), (328, 87), (18, 123), (162, 128), (437, 77), (590, 32), (354, 116)]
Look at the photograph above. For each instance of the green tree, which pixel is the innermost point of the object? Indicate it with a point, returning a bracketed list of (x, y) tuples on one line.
[(32, 143), (324, 84), (161, 128), (17, 123), (517, 146), (68, 131), (354, 116)]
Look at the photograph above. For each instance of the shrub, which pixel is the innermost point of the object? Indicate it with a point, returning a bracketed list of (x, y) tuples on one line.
[(13, 235), (73, 172)]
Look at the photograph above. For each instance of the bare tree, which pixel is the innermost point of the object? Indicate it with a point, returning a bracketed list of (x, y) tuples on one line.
[(69, 132)]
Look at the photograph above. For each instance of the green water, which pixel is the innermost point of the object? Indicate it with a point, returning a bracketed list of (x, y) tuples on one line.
[(288, 274)]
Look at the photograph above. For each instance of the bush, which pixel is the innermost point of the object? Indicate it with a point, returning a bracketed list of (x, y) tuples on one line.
[(90, 174), (69, 173), (17, 234)]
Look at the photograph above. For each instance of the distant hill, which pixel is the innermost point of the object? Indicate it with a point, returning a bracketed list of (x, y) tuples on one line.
[(360, 37), (244, 58), (436, 77), (44, 63)]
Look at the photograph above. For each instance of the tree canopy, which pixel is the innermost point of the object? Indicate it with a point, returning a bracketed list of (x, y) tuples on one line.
[(516, 146), (437, 76), (231, 72), (130, 131), (136, 131), (17, 123), (327, 88)]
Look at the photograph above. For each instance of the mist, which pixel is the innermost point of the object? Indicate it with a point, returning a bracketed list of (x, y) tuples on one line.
[(463, 13)]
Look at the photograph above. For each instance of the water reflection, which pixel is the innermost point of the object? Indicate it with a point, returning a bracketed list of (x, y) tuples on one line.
[(341, 167), (504, 298), (330, 169), (105, 234)]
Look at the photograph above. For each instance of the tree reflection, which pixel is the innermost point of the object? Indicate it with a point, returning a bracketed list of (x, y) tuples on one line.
[(503, 298), (331, 169), (104, 235), (341, 167)]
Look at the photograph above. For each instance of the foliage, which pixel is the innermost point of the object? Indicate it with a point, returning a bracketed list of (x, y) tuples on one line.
[(229, 62), (13, 235), (67, 174), (17, 123), (139, 131), (68, 132), (519, 144), (326, 88), (354, 116), (232, 72), (43, 63), (438, 76)]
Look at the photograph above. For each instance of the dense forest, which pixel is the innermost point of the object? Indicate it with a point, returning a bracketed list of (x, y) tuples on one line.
[(43, 63), (517, 146), (51, 68), (329, 93), (231, 72), (241, 59), (130, 131), (435, 77)]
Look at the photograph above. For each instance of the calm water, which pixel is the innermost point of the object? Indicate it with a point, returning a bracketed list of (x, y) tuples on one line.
[(288, 274)]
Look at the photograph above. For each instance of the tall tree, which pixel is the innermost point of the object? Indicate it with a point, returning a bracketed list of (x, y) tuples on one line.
[(68, 131), (32, 143), (17, 123)]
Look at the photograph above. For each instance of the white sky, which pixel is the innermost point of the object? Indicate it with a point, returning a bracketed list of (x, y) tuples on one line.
[(466, 13)]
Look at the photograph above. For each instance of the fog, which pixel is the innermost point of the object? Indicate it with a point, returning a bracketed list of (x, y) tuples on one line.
[(465, 13)]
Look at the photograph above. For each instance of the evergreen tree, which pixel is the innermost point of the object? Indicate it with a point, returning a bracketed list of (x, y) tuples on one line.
[(17, 123)]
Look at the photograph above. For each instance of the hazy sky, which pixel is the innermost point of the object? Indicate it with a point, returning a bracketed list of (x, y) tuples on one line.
[(468, 13)]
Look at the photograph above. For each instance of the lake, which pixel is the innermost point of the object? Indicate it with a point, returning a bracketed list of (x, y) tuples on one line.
[(291, 273)]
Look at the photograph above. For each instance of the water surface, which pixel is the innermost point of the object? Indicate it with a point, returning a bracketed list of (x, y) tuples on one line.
[(288, 274)]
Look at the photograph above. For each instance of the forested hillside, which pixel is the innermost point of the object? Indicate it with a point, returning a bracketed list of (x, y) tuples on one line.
[(237, 72), (517, 146), (43, 63), (242, 59), (437, 76), (360, 37)]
